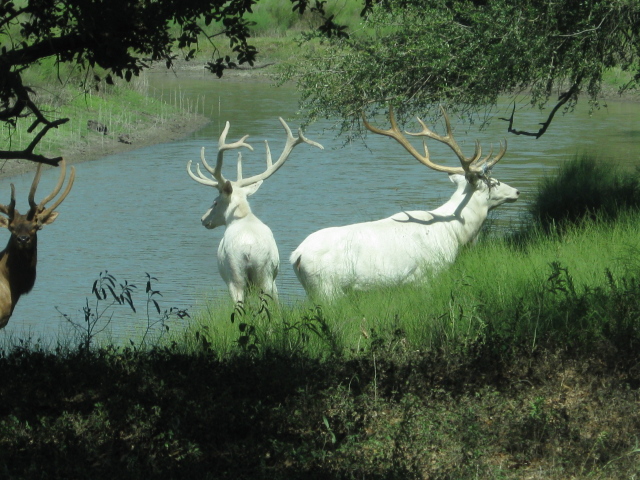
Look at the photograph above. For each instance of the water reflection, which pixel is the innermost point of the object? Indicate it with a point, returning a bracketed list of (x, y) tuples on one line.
[(139, 212)]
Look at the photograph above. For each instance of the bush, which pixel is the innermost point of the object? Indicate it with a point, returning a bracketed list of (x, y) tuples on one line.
[(584, 188)]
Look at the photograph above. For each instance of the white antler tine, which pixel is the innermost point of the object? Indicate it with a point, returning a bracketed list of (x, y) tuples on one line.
[(306, 140), (269, 159), (200, 177), (223, 135), (286, 128), (189, 170), (426, 149), (242, 143), (301, 138), (447, 122), (288, 147), (222, 146), (239, 166), (204, 162), (478, 160), (200, 174), (222, 141), (425, 130)]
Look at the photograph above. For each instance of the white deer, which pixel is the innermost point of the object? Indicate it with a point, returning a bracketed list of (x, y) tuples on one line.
[(248, 254), (407, 246)]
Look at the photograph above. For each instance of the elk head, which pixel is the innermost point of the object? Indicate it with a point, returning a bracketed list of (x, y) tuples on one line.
[(23, 228), (232, 199)]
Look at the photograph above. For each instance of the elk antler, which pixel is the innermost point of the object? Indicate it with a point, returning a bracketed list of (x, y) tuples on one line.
[(472, 167), (242, 182), (273, 167), (9, 210), (39, 209), (217, 171)]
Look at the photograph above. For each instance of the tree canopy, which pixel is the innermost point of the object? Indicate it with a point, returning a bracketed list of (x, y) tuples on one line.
[(466, 53), (415, 54), (122, 37)]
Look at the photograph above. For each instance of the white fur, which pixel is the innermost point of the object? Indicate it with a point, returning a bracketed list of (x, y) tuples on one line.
[(248, 254), (403, 248)]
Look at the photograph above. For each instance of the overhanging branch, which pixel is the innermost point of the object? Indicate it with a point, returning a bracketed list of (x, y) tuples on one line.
[(27, 153), (564, 98)]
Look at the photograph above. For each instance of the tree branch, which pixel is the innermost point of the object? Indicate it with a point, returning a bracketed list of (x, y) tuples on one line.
[(564, 98), (27, 153)]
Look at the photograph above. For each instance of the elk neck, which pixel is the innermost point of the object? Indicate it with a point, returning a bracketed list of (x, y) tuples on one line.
[(465, 211), (238, 210), (18, 266)]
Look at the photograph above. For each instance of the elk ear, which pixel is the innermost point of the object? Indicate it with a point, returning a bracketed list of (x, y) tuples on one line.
[(253, 188), (49, 220), (227, 189), (458, 179)]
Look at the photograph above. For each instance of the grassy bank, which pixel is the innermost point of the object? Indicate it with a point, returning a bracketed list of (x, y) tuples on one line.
[(128, 114), (518, 362)]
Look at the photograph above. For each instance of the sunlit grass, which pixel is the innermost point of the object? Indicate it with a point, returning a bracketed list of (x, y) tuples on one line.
[(495, 286)]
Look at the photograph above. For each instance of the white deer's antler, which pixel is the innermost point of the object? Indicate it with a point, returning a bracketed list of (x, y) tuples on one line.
[(273, 167), (471, 167), (218, 178)]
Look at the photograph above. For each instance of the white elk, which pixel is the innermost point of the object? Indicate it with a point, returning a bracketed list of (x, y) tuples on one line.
[(407, 246), (248, 255)]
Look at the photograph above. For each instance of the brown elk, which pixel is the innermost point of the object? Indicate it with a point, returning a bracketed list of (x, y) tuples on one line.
[(18, 260)]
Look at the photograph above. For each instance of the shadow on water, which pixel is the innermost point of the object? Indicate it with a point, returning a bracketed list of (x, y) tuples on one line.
[(139, 212)]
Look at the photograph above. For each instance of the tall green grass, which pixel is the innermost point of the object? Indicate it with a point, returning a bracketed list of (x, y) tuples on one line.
[(576, 287), (273, 18)]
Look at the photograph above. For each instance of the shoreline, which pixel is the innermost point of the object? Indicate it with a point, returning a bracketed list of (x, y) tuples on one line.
[(98, 146)]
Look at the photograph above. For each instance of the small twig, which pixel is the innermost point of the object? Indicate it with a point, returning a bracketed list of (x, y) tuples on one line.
[(23, 101)]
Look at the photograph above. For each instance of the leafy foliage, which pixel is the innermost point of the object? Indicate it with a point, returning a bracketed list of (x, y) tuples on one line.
[(108, 293), (465, 53), (121, 37)]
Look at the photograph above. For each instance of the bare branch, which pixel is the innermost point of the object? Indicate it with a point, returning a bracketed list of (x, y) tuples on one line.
[(27, 153), (564, 98)]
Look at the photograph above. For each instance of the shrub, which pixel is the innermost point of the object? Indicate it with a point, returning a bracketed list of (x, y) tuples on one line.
[(584, 188)]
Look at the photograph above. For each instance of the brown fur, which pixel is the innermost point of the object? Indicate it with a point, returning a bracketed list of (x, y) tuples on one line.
[(19, 259), (17, 273)]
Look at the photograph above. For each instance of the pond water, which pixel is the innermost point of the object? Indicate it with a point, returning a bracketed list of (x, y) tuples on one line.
[(139, 212)]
